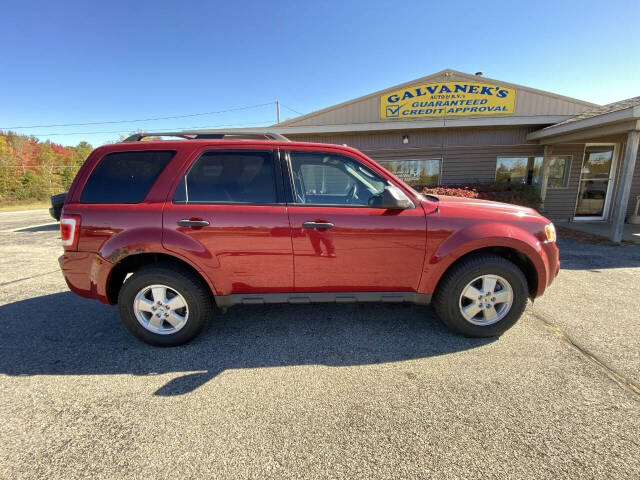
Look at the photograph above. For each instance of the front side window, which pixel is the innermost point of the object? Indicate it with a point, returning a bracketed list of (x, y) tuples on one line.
[(125, 177), (416, 173), (325, 179), (528, 170), (229, 177)]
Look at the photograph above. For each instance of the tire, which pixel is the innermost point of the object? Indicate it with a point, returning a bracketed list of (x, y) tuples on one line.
[(449, 300), (187, 321)]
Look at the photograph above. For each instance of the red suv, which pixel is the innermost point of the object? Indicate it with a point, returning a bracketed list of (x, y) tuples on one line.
[(170, 229)]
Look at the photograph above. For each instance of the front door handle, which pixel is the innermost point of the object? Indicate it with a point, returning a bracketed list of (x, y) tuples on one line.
[(316, 225), (185, 222)]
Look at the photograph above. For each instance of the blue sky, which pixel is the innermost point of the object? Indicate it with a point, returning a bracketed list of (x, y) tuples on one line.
[(76, 62)]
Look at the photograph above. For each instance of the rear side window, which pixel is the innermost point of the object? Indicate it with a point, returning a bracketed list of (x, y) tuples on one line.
[(229, 177), (125, 177)]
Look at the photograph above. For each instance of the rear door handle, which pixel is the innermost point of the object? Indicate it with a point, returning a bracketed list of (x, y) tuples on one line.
[(316, 225), (185, 222)]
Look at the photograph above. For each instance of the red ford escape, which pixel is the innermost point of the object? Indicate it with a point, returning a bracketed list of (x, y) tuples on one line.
[(170, 229)]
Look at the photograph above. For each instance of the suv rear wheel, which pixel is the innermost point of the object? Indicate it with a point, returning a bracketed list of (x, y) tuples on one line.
[(482, 296), (164, 305)]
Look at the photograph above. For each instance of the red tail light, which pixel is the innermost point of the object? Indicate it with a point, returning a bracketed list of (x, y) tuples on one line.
[(69, 231)]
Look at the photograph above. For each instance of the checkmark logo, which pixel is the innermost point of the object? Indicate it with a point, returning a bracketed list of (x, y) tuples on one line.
[(393, 110)]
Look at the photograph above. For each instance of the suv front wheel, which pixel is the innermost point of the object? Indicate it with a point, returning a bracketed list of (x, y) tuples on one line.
[(164, 305), (482, 296)]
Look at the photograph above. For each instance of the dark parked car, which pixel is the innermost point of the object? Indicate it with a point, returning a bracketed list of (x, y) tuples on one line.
[(57, 202), (170, 229)]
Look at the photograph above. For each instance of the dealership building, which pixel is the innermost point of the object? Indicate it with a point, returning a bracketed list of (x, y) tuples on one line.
[(454, 128)]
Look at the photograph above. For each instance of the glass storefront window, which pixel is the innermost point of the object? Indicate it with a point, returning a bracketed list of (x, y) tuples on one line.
[(416, 173), (527, 170), (514, 170)]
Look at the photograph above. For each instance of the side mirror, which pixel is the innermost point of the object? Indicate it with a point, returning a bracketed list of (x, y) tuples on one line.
[(391, 198)]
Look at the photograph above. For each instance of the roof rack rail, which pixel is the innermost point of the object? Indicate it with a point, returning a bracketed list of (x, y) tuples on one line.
[(210, 135)]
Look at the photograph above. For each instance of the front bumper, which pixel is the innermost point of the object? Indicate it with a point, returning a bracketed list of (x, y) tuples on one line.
[(86, 274), (552, 265)]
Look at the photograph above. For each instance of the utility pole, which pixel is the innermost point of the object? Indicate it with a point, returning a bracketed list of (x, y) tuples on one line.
[(278, 110)]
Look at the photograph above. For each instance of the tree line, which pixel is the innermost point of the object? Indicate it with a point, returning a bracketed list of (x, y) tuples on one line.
[(34, 170)]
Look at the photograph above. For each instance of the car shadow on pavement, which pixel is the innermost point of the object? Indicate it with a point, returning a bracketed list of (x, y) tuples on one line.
[(62, 334), (50, 227)]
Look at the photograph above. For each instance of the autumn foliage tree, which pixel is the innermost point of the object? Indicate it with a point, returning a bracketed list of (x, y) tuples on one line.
[(34, 170)]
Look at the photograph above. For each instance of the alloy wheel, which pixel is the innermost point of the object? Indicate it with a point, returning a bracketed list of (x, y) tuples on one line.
[(160, 309), (486, 300)]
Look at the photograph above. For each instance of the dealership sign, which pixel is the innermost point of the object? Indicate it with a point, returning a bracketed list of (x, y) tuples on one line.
[(446, 99)]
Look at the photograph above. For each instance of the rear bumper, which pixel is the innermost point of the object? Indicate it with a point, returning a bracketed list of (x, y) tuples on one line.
[(86, 274)]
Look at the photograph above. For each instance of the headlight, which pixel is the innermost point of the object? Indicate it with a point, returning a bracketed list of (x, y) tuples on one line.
[(550, 232)]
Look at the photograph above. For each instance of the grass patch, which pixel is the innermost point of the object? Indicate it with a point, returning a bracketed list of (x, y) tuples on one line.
[(26, 205)]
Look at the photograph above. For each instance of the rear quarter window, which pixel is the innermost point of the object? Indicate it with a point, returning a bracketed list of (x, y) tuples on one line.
[(125, 177)]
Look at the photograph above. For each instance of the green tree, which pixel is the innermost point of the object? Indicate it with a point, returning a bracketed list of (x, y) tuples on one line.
[(28, 187), (68, 174), (82, 150), (50, 164), (9, 173)]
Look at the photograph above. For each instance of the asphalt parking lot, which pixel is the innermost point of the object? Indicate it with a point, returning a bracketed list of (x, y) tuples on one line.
[(335, 391)]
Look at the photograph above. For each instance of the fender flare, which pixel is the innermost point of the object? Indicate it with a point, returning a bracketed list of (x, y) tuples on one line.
[(482, 236), (143, 240)]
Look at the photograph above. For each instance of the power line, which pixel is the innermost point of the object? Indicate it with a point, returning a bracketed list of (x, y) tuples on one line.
[(163, 128), (141, 119), (289, 108)]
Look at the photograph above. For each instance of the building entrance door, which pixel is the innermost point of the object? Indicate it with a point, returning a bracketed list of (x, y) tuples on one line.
[(596, 182)]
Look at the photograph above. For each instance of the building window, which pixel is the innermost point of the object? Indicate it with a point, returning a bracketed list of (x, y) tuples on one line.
[(527, 170), (559, 171), (417, 173)]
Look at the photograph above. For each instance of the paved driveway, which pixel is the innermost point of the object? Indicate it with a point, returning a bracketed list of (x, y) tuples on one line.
[(363, 391), (596, 302)]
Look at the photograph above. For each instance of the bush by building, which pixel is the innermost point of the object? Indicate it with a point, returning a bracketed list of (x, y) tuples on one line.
[(516, 193)]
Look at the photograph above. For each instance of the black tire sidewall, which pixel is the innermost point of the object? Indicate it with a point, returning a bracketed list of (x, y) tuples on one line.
[(181, 283), (462, 277)]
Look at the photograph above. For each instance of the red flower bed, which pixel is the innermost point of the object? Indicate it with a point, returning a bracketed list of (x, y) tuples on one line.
[(467, 192), (526, 195)]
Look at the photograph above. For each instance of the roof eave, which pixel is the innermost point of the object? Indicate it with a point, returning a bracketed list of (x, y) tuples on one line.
[(420, 124), (620, 116)]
